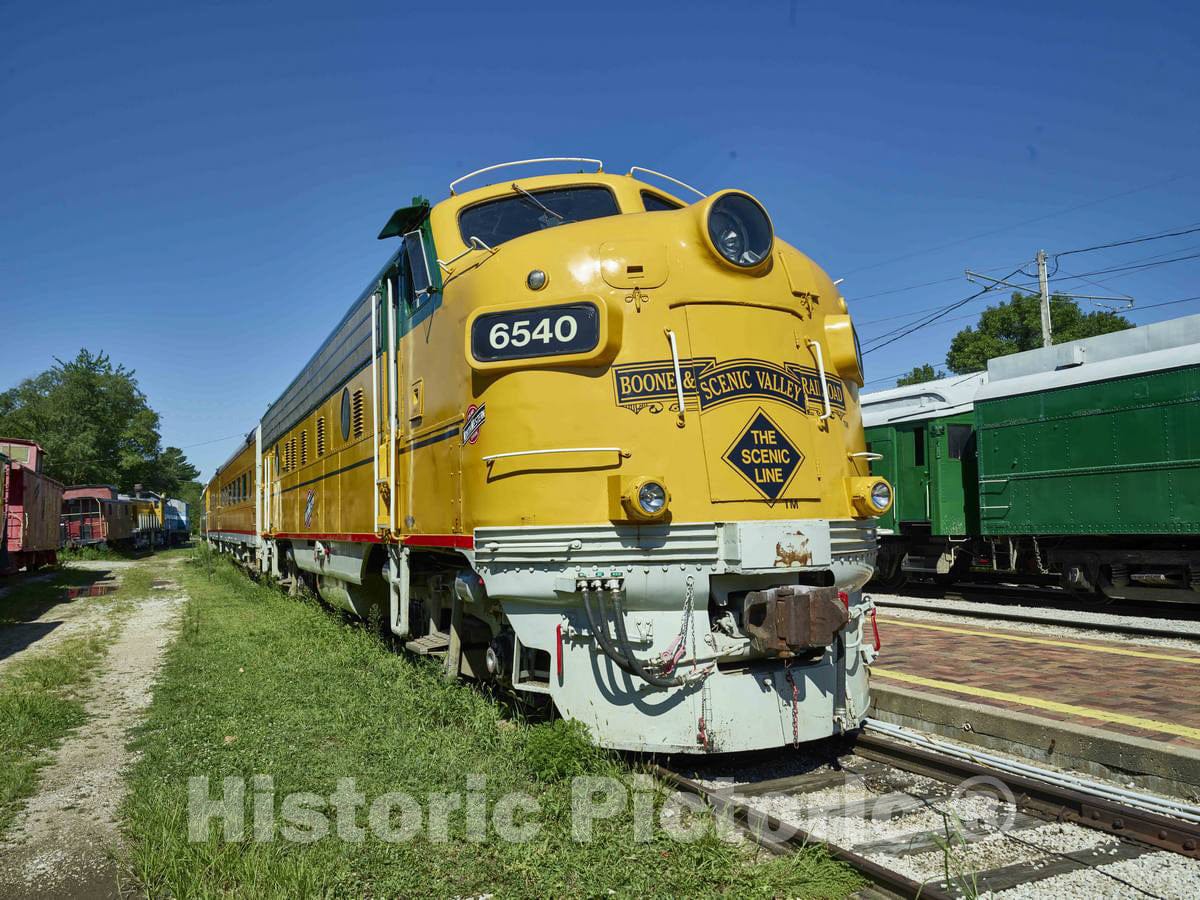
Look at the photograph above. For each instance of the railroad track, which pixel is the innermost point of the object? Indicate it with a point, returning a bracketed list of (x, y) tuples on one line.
[(919, 817), (1048, 595), (1049, 608)]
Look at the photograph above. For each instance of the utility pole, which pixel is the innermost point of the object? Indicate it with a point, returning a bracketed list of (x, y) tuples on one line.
[(992, 284), (1045, 289)]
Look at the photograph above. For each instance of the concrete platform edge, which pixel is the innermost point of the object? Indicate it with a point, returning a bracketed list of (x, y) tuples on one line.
[(1150, 765)]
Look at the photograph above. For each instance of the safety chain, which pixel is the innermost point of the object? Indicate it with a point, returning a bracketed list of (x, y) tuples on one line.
[(787, 668), (670, 657), (1037, 557)]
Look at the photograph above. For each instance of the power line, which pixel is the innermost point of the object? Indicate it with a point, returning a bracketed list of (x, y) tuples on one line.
[(929, 320), (903, 315), (901, 290), (973, 315), (1099, 284), (913, 287), (1190, 229), (888, 378), (1137, 240), (229, 437), (888, 262), (1136, 264), (1125, 312), (1157, 305), (1148, 265)]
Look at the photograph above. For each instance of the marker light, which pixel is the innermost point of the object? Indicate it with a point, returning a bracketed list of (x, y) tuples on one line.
[(536, 280), (652, 497), (881, 495), (646, 498), (870, 495)]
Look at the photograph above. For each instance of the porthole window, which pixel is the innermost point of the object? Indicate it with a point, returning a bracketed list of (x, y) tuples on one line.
[(346, 414)]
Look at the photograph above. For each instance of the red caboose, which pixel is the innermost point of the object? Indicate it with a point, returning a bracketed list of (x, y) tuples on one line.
[(94, 514), (32, 506)]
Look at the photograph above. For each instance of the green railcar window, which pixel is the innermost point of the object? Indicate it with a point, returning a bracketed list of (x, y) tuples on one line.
[(961, 441), (918, 446)]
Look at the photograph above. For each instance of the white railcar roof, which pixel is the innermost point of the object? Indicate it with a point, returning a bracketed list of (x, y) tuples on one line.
[(914, 402), (1150, 348)]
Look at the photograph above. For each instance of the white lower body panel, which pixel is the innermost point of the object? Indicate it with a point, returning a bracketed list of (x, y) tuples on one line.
[(743, 704)]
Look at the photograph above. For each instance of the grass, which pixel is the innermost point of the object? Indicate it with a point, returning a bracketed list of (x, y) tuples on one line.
[(40, 704), (90, 553), (958, 877), (259, 683), (41, 696)]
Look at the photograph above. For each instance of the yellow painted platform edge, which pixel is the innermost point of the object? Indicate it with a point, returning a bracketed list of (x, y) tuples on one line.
[(1039, 703)]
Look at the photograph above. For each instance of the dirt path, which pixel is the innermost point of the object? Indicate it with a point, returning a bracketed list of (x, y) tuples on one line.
[(64, 843), (78, 613)]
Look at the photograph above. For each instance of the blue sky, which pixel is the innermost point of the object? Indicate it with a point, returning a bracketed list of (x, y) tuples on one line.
[(196, 188)]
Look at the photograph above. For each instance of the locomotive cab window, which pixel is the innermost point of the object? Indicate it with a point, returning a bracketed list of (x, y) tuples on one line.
[(657, 203), (417, 279), (918, 446), (524, 212)]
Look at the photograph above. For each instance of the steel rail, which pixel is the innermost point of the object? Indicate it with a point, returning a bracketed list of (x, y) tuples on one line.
[(1058, 621), (1058, 802), (889, 880), (994, 590)]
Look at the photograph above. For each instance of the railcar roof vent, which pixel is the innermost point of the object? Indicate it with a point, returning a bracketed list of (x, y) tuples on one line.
[(1071, 355)]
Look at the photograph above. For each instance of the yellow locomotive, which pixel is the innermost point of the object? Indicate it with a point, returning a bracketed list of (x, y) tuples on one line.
[(596, 444)]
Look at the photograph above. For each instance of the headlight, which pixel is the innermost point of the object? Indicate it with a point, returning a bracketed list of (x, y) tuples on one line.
[(740, 229), (881, 495), (652, 497)]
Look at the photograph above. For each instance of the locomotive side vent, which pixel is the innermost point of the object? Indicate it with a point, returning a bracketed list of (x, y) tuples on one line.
[(357, 413), (321, 436), (304, 447)]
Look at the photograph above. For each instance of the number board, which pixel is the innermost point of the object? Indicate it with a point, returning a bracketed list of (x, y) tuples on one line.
[(541, 331)]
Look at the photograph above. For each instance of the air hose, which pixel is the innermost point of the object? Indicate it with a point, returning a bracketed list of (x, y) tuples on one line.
[(623, 658), (627, 650)]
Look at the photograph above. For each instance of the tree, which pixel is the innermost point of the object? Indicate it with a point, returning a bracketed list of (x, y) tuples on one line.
[(919, 375), (171, 471), (95, 424), (189, 492), (1016, 325)]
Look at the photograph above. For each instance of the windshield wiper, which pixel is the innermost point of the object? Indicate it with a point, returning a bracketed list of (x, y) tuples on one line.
[(535, 201)]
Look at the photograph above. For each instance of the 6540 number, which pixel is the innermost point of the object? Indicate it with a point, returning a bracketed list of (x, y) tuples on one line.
[(542, 331)]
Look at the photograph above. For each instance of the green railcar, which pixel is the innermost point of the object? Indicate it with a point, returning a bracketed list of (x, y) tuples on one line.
[(923, 436), (1082, 463), (1089, 461)]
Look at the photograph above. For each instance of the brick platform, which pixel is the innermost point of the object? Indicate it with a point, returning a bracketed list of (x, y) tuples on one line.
[(1118, 687)]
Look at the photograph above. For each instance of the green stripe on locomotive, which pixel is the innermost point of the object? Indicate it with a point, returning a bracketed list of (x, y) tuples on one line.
[(1113, 456), (931, 466)]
